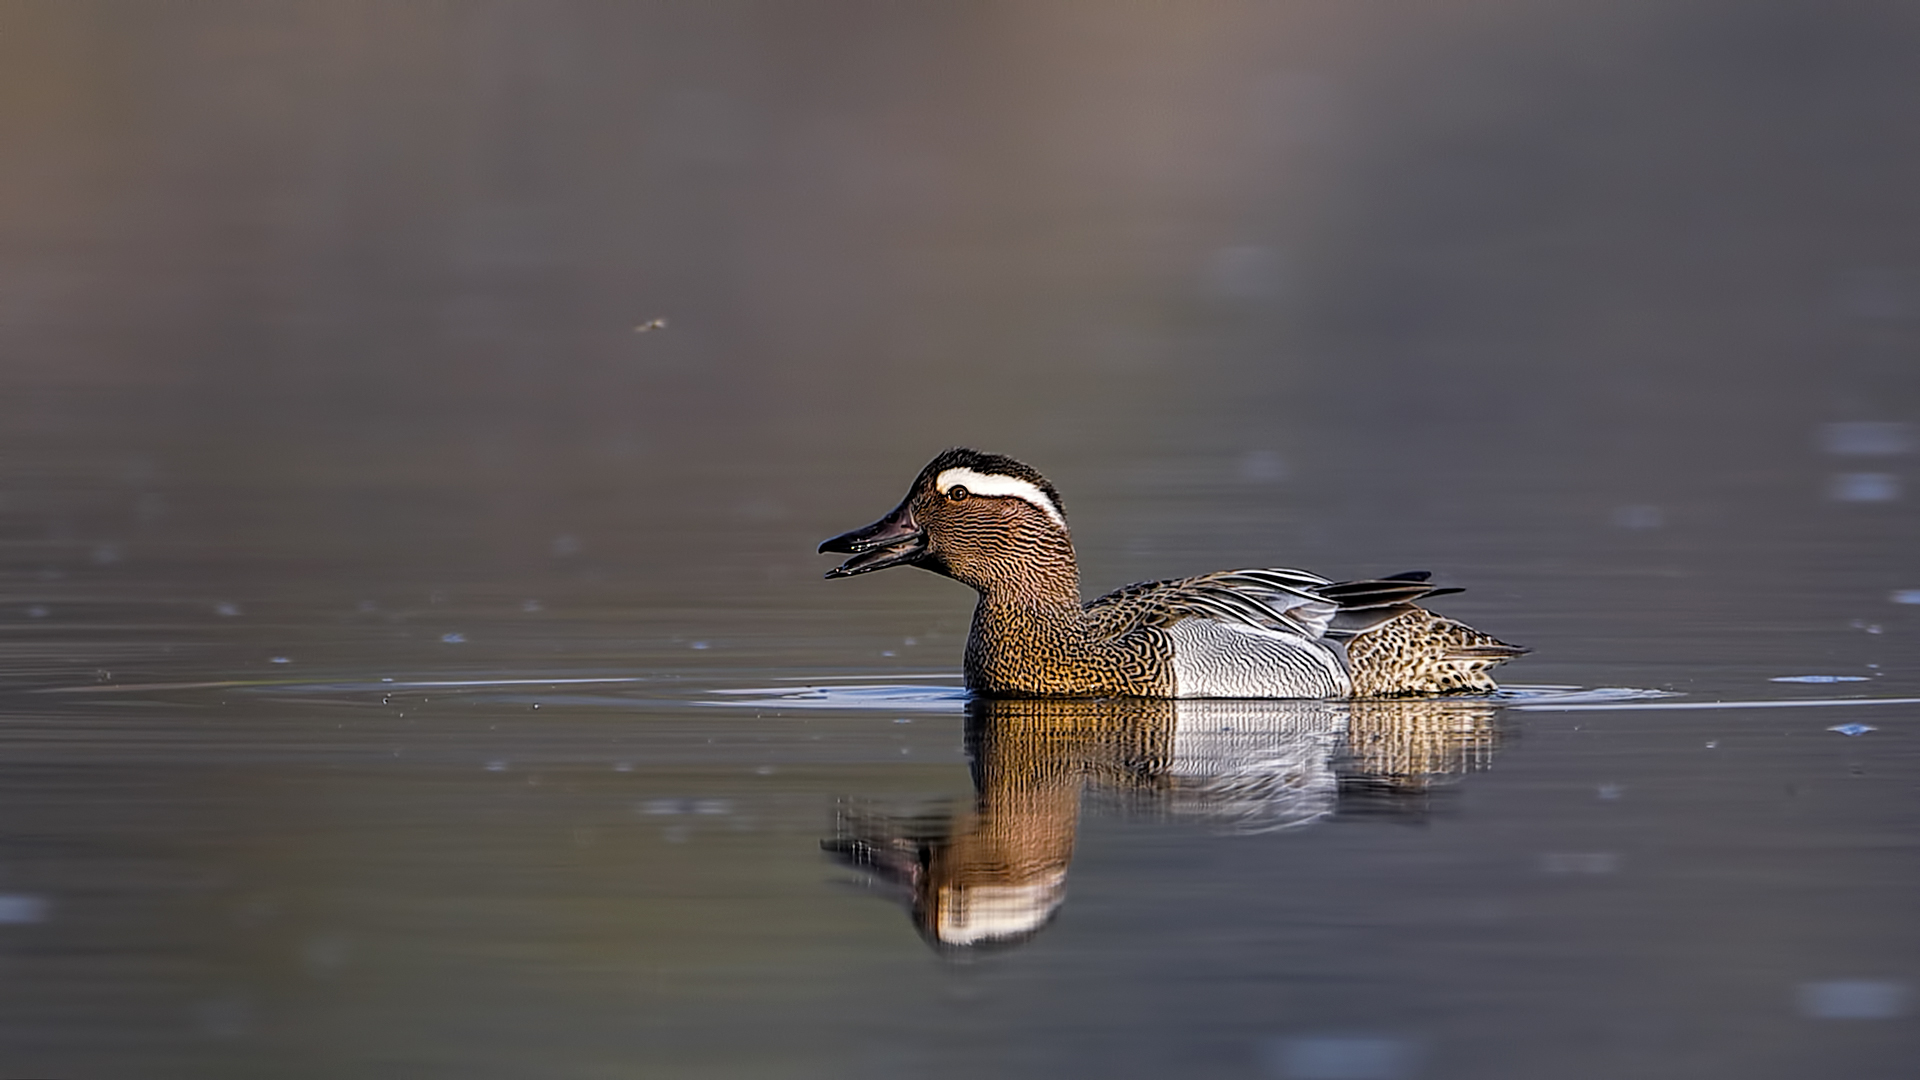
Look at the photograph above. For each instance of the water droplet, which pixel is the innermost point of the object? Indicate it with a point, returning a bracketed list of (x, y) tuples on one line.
[(453, 639), (496, 766), (1818, 678), (226, 610), (280, 660), (1851, 730), (699, 645)]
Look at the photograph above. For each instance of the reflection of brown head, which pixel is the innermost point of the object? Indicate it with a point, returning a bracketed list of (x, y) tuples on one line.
[(995, 873), (1003, 874)]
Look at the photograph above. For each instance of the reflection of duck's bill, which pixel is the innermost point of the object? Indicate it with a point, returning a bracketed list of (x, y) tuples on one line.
[(983, 914)]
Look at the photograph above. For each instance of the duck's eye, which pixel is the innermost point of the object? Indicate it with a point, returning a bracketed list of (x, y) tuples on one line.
[(956, 493)]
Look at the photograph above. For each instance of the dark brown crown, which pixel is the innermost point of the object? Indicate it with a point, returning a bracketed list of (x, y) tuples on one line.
[(993, 465)]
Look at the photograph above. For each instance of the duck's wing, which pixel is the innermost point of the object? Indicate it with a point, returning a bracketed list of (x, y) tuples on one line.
[(1264, 599), (1373, 602), (1272, 598)]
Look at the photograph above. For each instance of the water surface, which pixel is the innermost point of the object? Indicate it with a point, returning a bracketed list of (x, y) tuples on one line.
[(407, 669)]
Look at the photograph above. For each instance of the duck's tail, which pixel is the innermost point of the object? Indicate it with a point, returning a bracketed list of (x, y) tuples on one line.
[(1396, 647)]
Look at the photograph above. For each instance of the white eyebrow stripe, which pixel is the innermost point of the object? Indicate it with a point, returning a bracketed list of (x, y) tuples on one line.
[(981, 483)]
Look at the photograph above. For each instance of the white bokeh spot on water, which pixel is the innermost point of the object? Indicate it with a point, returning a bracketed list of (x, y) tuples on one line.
[(1342, 1057), (1867, 438), (1864, 487), (20, 909), (1855, 999)]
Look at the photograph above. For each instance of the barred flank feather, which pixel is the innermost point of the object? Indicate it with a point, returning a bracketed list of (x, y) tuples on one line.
[(1422, 653)]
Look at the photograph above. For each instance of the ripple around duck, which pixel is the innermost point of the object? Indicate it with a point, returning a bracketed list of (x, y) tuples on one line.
[(894, 697), (927, 695), (341, 686), (1523, 698), (885, 696), (1624, 706)]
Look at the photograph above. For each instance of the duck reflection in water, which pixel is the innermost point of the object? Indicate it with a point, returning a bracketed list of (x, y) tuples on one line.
[(995, 873)]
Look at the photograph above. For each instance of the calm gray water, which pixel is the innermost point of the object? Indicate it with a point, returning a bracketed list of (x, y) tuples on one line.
[(408, 669)]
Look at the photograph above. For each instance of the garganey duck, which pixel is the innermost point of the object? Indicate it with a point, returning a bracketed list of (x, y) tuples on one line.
[(996, 524)]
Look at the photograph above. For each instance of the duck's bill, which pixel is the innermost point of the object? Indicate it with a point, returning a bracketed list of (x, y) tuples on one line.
[(891, 541)]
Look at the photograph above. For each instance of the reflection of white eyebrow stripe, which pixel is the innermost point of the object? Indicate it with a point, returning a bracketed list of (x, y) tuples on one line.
[(993, 484)]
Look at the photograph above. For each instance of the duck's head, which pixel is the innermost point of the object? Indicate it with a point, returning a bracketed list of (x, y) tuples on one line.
[(979, 518)]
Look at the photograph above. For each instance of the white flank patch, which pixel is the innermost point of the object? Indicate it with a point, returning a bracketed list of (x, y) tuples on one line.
[(1223, 660), (980, 483)]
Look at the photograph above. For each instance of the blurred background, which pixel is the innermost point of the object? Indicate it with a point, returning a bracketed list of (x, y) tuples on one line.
[(489, 337), (355, 283)]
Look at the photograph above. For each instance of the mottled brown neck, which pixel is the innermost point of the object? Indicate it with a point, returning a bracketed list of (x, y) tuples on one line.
[(1028, 622), (1033, 637), (1033, 565)]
